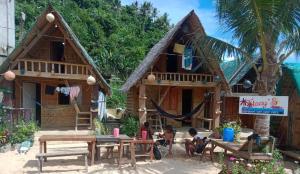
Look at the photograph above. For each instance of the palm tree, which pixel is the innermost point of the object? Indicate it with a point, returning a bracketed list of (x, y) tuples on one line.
[(264, 30)]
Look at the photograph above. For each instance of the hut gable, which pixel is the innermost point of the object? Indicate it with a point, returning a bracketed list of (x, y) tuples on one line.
[(156, 57), (46, 36)]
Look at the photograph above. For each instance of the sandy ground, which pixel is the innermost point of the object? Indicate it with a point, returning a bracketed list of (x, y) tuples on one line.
[(13, 163)]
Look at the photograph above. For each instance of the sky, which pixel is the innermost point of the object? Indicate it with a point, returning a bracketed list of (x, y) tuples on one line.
[(205, 9)]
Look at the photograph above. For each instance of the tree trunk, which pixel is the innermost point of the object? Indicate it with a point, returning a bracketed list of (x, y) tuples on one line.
[(262, 125), (266, 85)]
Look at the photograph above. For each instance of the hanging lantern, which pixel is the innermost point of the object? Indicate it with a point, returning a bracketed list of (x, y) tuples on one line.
[(9, 75), (91, 80), (151, 78), (247, 84), (218, 112), (50, 17)]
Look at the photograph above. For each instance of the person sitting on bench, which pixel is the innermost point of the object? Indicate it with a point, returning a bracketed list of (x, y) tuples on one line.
[(196, 145)]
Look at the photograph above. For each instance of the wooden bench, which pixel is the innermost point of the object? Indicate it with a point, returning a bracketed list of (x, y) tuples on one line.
[(42, 156)]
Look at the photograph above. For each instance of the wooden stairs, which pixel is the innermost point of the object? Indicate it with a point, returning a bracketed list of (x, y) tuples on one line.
[(83, 119)]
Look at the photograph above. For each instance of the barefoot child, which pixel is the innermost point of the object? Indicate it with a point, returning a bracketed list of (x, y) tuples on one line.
[(167, 138), (196, 145)]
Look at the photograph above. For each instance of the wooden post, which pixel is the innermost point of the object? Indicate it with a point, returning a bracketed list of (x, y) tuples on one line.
[(216, 106), (142, 104)]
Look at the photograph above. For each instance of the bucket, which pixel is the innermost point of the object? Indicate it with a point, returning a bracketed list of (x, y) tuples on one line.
[(144, 135), (116, 132), (228, 134)]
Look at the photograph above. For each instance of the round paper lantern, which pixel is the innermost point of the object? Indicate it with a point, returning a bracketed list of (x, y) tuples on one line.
[(9, 75), (50, 17), (91, 80), (247, 84), (151, 77)]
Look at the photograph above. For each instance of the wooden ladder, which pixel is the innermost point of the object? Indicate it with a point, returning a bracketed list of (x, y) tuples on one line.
[(82, 118)]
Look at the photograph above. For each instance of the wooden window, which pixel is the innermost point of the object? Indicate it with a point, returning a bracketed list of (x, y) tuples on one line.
[(62, 98), (57, 51), (57, 54)]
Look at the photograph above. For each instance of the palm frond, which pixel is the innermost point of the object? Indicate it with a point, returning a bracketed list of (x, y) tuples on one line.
[(221, 50)]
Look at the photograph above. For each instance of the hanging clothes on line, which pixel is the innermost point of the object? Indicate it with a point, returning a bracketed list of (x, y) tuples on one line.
[(187, 58), (65, 90), (74, 92)]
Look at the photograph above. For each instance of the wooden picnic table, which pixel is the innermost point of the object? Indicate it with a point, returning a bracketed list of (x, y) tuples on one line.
[(121, 139), (90, 139), (243, 148)]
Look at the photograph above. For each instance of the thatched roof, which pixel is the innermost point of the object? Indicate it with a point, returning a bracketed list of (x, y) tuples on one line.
[(154, 53), (40, 23)]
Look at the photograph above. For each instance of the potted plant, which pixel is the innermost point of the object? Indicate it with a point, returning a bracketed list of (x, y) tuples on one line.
[(100, 128)]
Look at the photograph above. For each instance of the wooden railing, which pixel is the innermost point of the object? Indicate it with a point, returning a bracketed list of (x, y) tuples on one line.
[(239, 88), (184, 77), (181, 79), (46, 68)]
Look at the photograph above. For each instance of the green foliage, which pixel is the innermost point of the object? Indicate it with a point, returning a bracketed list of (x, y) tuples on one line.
[(116, 36), (130, 126), (117, 99), (100, 128), (274, 166), (23, 131)]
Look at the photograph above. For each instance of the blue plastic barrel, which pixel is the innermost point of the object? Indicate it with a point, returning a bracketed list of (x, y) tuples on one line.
[(228, 134)]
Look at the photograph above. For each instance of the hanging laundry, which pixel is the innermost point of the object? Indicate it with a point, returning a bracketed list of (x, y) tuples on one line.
[(65, 90), (101, 106), (187, 58), (49, 90), (57, 89), (74, 91)]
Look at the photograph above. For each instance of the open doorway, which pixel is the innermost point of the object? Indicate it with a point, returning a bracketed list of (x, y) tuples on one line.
[(187, 103), (32, 99), (57, 55)]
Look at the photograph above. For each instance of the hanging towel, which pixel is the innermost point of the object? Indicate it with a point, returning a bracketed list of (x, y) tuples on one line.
[(65, 90), (74, 91), (101, 106), (187, 58), (49, 90)]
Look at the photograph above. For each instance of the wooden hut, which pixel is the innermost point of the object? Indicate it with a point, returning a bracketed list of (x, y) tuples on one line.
[(177, 90), (51, 56), (236, 73), (286, 128)]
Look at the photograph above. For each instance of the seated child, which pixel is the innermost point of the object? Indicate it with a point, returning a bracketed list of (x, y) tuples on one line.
[(196, 145), (146, 127), (167, 138)]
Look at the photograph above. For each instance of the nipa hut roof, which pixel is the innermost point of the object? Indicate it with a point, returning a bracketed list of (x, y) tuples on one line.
[(33, 32), (157, 49)]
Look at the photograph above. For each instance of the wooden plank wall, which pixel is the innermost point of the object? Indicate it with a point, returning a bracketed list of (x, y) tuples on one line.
[(231, 112), (172, 102), (41, 50), (294, 109), (54, 115)]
